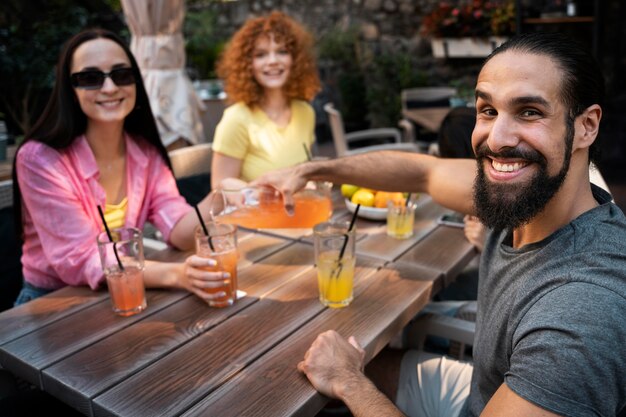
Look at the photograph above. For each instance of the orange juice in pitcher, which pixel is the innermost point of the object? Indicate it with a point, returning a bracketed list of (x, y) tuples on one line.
[(263, 208)]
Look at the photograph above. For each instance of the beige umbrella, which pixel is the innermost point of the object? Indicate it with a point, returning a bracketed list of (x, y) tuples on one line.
[(159, 47)]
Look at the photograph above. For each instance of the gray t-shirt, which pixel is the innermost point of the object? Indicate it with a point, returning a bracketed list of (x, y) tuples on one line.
[(551, 317)]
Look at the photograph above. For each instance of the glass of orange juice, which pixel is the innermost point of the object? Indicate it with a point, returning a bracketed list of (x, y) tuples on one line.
[(123, 263), (220, 245), (335, 259), (400, 219)]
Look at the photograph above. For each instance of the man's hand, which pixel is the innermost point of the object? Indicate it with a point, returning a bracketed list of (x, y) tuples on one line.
[(287, 181), (332, 363), (475, 232)]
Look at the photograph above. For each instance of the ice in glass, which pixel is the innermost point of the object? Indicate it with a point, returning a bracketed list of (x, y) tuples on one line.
[(125, 282)]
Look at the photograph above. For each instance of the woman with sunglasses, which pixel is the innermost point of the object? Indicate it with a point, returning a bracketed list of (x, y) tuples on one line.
[(97, 144), (270, 75)]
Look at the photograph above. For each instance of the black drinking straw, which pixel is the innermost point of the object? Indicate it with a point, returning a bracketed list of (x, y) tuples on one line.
[(106, 227), (206, 232), (408, 199), (345, 241), (308, 153)]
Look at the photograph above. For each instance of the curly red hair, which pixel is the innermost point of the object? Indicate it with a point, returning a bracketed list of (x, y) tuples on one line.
[(235, 65)]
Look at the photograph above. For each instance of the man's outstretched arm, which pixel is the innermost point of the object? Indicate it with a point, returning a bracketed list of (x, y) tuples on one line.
[(448, 181)]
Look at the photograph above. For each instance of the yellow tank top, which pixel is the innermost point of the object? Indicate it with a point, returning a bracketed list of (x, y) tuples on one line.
[(115, 214)]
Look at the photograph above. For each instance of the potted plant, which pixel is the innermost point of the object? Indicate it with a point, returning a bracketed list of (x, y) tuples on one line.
[(469, 28)]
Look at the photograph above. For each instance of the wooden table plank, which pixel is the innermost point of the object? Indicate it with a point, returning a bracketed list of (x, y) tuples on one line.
[(130, 350), (30, 354), (200, 366), (28, 317), (273, 386), (446, 250)]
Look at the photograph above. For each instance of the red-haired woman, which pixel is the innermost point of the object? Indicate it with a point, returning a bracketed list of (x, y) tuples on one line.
[(270, 75)]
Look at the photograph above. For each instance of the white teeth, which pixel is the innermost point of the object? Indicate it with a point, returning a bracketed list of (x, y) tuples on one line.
[(506, 167), (110, 103)]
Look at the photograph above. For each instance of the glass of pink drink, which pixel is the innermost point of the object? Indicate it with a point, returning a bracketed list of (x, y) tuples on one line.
[(221, 246), (125, 281)]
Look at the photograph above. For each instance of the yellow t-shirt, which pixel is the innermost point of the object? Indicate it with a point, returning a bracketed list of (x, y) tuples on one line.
[(248, 134), (115, 214)]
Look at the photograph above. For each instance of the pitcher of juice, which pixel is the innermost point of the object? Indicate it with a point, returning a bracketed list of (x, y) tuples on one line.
[(263, 207)]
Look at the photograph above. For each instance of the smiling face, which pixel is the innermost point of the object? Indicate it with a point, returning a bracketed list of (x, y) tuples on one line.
[(522, 138), (271, 63), (110, 103)]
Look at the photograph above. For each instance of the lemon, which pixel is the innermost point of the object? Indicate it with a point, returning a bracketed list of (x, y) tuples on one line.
[(348, 190), (363, 197)]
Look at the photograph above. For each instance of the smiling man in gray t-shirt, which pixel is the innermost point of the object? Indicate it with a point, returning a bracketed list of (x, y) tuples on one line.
[(550, 335)]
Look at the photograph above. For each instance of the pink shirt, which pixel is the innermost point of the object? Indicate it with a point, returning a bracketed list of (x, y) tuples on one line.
[(60, 195)]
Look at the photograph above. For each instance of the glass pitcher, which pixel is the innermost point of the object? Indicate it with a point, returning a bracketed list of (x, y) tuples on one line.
[(263, 208)]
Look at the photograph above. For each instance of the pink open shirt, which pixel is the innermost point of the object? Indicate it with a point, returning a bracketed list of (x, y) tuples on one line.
[(60, 195)]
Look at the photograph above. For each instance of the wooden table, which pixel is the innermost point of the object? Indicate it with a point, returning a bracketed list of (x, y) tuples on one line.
[(180, 357), (430, 118)]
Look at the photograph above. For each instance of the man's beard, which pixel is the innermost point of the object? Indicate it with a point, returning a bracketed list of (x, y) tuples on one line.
[(501, 206)]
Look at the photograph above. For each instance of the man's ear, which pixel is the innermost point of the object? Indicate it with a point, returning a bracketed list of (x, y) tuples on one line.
[(587, 126)]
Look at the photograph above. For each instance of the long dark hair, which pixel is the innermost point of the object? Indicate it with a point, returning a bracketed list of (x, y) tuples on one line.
[(62, 120)]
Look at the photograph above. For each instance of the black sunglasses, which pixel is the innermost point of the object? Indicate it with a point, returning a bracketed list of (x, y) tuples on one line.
[(94, 79)]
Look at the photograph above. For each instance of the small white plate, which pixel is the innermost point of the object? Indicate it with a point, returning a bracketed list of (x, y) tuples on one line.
[(371, 213)]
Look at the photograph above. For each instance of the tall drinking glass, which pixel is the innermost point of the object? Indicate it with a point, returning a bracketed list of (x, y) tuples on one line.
[(335, 260), (125, 282), (221, 246)]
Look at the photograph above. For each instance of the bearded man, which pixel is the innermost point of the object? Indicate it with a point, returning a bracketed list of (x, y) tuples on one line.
[(550, 329)]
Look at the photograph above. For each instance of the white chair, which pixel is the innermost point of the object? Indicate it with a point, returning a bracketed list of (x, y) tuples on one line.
[(187, 164), (343, 140), (191, 160)]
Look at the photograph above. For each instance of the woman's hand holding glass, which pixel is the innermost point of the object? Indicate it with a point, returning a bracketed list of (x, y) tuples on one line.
[(196, 279)]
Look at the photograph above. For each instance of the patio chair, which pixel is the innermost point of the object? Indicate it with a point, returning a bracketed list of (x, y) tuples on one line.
[(423, 98), (458, 330), (343, 140), (191, 166)]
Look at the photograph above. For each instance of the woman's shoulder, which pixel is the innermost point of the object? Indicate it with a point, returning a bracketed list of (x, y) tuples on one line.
[(34, 150), (238, 111), (302, 106)]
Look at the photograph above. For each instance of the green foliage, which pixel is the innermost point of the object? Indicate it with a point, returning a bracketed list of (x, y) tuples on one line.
[(338, 49), (387, 75), (202, 45), (339, 46), (369, 83)]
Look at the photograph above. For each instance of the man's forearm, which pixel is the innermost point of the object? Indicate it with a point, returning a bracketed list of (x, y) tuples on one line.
[(448, 181), (385, 171), (364, 399)]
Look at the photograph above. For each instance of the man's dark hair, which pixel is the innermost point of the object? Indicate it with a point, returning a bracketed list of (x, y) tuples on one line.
[(455, 133), (582, 80)]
